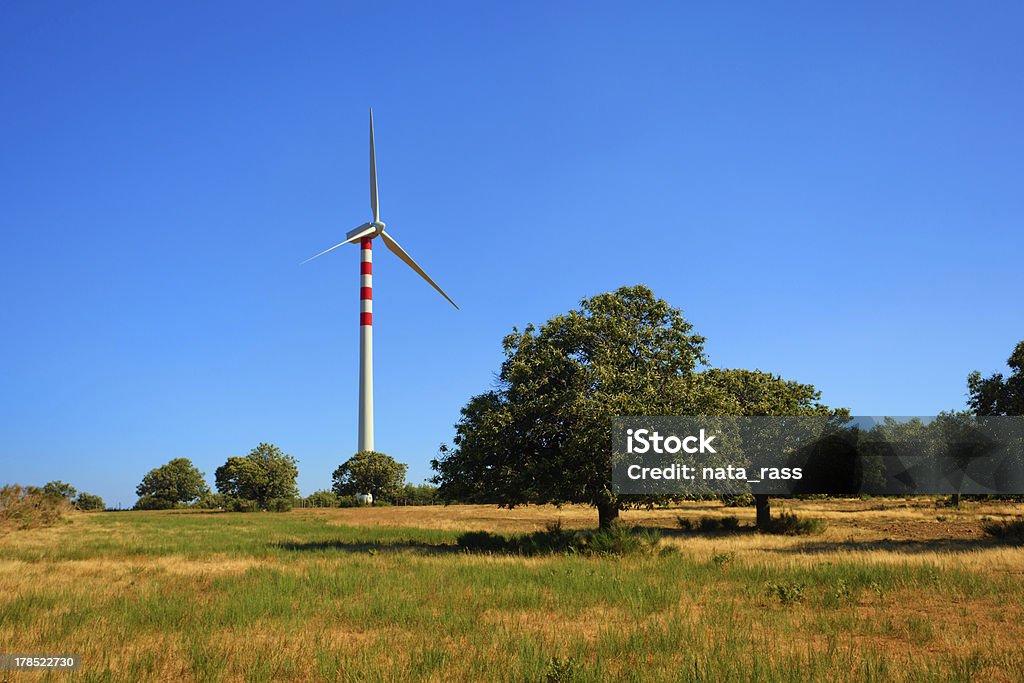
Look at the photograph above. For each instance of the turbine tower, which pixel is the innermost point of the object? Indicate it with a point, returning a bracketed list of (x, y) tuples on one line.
[(364, 236)]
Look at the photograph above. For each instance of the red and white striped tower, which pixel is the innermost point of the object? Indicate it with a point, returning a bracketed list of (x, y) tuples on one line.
[(364, 235), (366, 345)]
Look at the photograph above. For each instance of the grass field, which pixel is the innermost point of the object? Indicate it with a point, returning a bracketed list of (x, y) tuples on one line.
[(893, 591)]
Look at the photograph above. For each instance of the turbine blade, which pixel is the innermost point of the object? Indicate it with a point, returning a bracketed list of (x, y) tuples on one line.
[(355, 235), (400, 253), (373, 175)]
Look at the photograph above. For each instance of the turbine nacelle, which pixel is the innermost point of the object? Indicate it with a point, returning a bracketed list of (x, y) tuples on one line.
[(371, 230), (375, 228)]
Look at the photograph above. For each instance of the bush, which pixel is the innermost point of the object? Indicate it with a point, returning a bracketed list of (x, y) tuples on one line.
[(279, 505), (786, 593), (59, 489), (422, 494), (151, 503), (1006, 531), (788, 524), (562, 670), (621, 540), (741, 500), (213, 501), (616, 540), (710, 525), (28, 507), (242, 505), (320, 499), (88, 502), (721, 560)]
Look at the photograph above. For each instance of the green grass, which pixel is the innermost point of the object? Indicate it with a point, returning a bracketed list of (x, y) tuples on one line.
[(265, 597)]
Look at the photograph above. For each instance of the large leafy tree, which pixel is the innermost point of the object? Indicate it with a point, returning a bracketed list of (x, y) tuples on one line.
[(370, 472), (544, 434), (178, 481), (266, 474), (996, 394)]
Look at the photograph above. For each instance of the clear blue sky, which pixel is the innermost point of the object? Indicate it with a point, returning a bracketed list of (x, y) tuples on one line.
[(830, 193)]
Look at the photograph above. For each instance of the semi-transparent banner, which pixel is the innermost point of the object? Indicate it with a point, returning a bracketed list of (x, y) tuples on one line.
[(803, 455)]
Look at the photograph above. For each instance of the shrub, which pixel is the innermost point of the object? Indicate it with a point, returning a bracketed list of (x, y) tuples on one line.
[(88, 502), (242, 505), (59, 489), (1011, 531), (320, 499), (741, 500), (279, 505), (722, 559), (419, 494), (710, 524), (615, 540), (213, 501), (28, 507), (562, 670), (786, 593), (619, 539), (151, 503), (788, 524)]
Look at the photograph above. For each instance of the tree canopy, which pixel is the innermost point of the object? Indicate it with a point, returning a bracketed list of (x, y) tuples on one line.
[(176, 482), (370, 472), (996, 394), (543, 434), (59, 489), (89, 502), (266, 477)]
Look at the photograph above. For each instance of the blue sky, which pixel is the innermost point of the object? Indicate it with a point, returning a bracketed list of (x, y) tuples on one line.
[(829, 193)]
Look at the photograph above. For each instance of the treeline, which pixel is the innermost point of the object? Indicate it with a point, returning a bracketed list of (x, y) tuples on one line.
[(265, 479), (542, 432)]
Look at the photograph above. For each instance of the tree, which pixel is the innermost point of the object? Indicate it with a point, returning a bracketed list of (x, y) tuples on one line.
[(419, 494), (179, 481), (265, 478), (998, 395), (89, 502), (370, 472), (59, 489), (752, 392), (320, 499), (544, 434)]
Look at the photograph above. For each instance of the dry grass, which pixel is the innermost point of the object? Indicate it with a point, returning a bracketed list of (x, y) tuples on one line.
[(893, 590)]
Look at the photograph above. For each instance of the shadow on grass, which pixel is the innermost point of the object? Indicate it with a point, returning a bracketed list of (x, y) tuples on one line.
[(903, 546), (370, 548), (742, 531), (618, 540)]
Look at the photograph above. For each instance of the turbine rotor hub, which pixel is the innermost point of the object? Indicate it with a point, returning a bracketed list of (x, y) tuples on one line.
[(378, 227)]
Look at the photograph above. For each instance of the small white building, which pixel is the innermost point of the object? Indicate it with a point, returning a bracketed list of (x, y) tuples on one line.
[(364, 498)]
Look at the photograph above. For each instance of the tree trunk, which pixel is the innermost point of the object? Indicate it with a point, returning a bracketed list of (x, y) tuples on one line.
[(955, 500), (606, 514), (764, 511)]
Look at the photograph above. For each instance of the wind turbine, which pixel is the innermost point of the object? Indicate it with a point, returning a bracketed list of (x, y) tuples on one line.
[(364, 235)]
